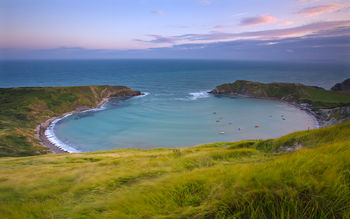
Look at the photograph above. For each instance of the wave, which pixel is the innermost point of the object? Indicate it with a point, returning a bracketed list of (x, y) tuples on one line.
[(198, 95), (143, 95), (102, 107), (50, 134)]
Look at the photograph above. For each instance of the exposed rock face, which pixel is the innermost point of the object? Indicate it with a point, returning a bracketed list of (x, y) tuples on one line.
[(334, 116), (112, 91), (345, 85)]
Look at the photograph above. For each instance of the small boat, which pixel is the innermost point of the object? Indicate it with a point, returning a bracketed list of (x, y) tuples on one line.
[(221, 133), (283, 118), (214, 113), (239, 129), (217, 120)]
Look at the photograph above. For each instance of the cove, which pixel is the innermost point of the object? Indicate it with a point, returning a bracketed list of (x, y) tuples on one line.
[(156, 120)]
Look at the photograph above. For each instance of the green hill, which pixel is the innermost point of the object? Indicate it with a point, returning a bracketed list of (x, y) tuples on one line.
[(247, 179), (23, 109), (301, 175), (318, 97)]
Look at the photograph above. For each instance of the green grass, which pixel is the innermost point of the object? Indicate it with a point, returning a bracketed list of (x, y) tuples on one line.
[(324, 98), (317, 97), (245, 179), (22, 109)]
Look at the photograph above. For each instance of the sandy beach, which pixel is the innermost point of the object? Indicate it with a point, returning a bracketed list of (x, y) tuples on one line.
[(45, 141), (41, 128)]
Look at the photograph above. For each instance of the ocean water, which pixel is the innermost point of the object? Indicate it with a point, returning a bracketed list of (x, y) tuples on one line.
[(176, 111)]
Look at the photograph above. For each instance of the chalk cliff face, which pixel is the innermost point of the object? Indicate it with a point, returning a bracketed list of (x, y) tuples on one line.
[(334, 116), (345, 85)]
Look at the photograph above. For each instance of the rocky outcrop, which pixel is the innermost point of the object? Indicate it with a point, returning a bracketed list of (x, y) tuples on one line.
[(114, 91), (334, 116), (345, 85)]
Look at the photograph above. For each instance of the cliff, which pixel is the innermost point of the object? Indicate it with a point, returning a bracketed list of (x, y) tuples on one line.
[(345, 85), (22, 109)]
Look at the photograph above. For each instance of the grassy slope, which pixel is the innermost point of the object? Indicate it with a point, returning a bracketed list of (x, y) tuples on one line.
[(247, 179), (22, 109), (318, 97)]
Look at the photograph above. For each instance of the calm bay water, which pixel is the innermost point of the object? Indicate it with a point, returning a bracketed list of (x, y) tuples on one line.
[(177, 110)]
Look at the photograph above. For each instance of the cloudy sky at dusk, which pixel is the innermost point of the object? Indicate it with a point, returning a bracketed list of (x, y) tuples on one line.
[(175, 29)]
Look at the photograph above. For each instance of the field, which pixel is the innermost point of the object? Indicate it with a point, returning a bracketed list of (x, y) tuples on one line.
[(301, 175), (247, 179)]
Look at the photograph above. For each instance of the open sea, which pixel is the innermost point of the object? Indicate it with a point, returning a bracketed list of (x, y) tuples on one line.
[(176, 111)]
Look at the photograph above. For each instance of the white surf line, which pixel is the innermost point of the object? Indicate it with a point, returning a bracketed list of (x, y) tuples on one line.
[(50, 133), (199, 94), (143, 95)]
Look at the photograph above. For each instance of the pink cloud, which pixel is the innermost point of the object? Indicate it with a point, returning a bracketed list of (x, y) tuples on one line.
[(221, 26), (258, 20), (308, 1), (159, 12), (285, 23), (159, 39), (321, 9), (298, 31)]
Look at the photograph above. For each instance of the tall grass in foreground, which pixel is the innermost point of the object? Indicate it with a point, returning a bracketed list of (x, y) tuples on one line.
[(247, 179)]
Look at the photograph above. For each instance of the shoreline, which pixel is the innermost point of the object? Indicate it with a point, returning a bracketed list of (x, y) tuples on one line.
[(43, 127), (318, 122), (56, 149)]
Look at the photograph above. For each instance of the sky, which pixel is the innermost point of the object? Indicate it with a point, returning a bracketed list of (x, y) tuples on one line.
[(205, 29)]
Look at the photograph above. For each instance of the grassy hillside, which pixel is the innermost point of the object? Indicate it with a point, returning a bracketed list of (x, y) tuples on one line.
[(316, 96), (247, 179), (22, 109)]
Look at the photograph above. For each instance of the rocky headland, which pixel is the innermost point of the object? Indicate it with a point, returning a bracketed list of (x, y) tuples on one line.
[(345, 85), (328, 106)]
